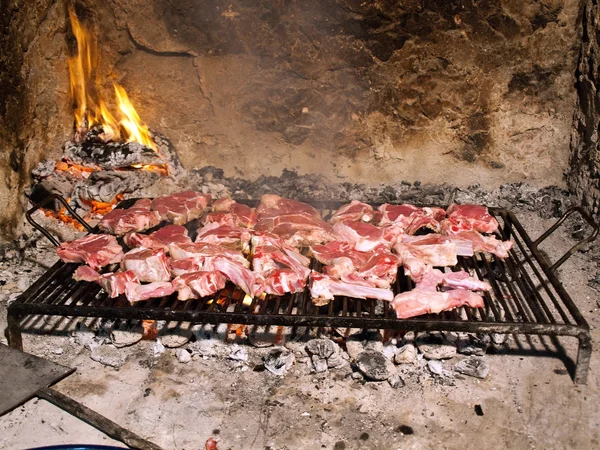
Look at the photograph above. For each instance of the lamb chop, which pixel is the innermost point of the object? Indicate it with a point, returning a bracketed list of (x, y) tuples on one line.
[(113, 283), (356, 211), (181, 207), (283, 269), (323, 288), (148, 265), (409, 218), (469, 217), (226, 211), (159, 239), (96, 250), (425, 298), (135, 292), (200, 250), (481, 243), (230, 236), (430, 249), (137, 218), (241, 276), (199, 284), (364, 236)]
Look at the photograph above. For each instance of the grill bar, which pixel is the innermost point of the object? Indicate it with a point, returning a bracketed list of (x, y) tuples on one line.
[(526, 298)]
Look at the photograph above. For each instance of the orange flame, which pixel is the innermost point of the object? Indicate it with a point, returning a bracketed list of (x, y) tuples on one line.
[(102, 208), (90, 109)]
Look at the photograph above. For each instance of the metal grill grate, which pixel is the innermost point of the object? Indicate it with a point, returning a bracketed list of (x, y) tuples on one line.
[(526, 298)]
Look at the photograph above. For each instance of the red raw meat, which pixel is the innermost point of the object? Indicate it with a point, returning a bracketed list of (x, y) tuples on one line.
[(231, 236), (481, 243), (159, 239), (409, 218), (96, 250), (364, 236), (148, 265), (199, 284), (136, 292), (431, 249), (112, 283), (137, 218), (181, 207), (203, 250), (328, 253), (242, 277), (469, 217), (182, 266), (356, 211), (426, 299), (323, 289), (379, 270), (226, 211), (282, 268), (273, 205)]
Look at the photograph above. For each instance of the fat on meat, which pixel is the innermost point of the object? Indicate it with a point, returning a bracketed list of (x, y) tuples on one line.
[(437, 292), (365, 236), (204, 250), (323, 289), (181, 207), (139, 217), (226, 211), (298, 229), (272, 205), (481, 243), (239, 275), (356, 211), (148, 265), (409, 218), (159, 239), (112, 282), (180, 267), (136, 292), (95, 250), (230, 236), (431, 250), (469, 217), (198, 284)]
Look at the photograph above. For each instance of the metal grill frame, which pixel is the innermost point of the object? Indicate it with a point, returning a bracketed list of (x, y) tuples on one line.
[(525, 288)]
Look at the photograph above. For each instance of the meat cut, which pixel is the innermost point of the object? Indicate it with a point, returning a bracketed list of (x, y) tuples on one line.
[(469, 217), (225, 235), (159, 239), (203, 250), (198, 284), (95, 250), (323, 288), (181, 207), (139, 217), (112, 283), (365, 236), (409, 218), (148, 265), (356, 211), (226, 211), (136, 292)]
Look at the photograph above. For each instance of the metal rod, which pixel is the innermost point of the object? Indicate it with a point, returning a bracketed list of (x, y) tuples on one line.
[(96, 420)]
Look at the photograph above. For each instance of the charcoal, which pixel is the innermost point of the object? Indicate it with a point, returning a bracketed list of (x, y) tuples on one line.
[(407, 354), (238, 353), (110, 155), (108, 356), (105, 185), (435, 346), (319, 364), (354, 348), (374, 365), (471, 345), (44, 169), (474, 366), (279, 360), (55, 184), (323, 348)]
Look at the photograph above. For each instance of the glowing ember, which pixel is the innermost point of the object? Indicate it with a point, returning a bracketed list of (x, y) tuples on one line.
[(102, 208), (247, 300), (63, 216), (159, 168), (150, 329), (76, 170), (90, 109)]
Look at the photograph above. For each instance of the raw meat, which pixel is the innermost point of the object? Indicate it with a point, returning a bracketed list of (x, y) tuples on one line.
[(112, 283), (181, 207), (431, 249), (481, 243), (323, 289), (282, 268), (136, 292), (137, 218), (226, 211), (469, 217), (85, 273), (298, 223), (356, 211), (199, 284), (96, 250), (230, 236), (379, 270), (426, 299), (179, 267), (364, 236), (159, 239), (409, 218), (203, 250), (147, 264), (416, 302), (241, 276)]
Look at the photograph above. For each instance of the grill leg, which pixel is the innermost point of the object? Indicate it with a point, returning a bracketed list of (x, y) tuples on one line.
[(583, 359), (15, 339)]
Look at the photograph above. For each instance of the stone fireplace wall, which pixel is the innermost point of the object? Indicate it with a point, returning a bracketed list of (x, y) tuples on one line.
[(437, 91), (584, 166)]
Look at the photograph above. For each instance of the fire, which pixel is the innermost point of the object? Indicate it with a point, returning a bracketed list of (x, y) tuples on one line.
[(102, 208), (63, 216), (90, 109)]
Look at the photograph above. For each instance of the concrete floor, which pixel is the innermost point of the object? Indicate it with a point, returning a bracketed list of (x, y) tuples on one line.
[(528, 400)]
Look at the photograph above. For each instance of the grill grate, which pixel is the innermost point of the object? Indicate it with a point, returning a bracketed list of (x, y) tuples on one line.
[(526, 298)]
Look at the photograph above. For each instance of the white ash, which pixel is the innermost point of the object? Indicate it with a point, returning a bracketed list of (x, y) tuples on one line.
[(158, 348), (473, 366), (183, 356), (435, 346), (278, 360), (108, 355)]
